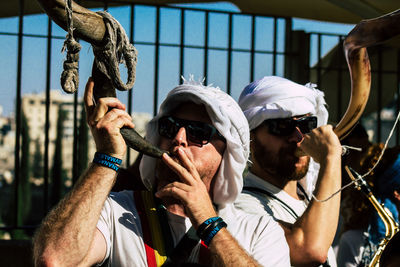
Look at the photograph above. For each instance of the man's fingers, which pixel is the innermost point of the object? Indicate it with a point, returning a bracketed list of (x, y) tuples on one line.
[(178, 169), (189, 166), (88, 96), (176, 190), (117, 118), (103, 106)]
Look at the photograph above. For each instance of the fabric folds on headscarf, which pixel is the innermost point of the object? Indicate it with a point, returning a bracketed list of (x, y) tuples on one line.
[(227, 118), (274, 97)]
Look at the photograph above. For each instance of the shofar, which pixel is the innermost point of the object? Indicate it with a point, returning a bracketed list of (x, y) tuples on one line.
[(90, 27)]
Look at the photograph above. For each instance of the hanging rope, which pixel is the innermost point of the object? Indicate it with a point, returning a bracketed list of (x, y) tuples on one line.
[(70, 75), (116, 50)]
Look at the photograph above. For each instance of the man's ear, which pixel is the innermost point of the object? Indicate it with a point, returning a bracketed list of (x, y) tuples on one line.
[(396, 194)]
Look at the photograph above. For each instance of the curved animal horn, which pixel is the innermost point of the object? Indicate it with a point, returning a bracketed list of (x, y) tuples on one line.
[(366, 33), (90, 27)]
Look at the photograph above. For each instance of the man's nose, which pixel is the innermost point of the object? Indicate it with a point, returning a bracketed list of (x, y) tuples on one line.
[(180, 137), (296, 136)]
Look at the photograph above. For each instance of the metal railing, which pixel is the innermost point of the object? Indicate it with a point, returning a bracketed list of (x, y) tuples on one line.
[(243, 48)]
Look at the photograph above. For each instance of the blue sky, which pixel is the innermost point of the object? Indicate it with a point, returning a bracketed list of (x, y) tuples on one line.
[(34, 51)]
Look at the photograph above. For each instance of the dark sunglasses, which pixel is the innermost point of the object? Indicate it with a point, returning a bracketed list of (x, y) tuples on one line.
[(197, 132), (284, 127)]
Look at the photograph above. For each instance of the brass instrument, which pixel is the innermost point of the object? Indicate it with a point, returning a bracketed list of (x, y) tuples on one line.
[(391, 226)]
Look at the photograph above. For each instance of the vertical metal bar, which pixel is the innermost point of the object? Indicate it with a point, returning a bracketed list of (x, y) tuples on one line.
[(18, 111), (379, 96), (252, 45), (75, 173), (275, 45), (229, 71), (288, 41), (319, 60), (130, 94), (181, 46), (339, 82), (206, 26), (156, 61), (47, 122)]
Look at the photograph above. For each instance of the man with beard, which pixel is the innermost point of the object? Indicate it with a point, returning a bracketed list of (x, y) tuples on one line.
[(187, 216), (283, 117)]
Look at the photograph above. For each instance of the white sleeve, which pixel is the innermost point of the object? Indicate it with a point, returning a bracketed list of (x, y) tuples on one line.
[(105, 227), (270, 247)]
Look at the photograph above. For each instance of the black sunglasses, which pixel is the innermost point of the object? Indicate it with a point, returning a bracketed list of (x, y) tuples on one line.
[(197, 132), (284, 127)]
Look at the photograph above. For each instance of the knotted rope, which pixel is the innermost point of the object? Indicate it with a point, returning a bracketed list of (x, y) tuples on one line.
[(116, 50), (70, 75)]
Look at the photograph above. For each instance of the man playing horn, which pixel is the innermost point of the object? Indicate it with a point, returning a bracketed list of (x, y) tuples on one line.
[(283, 117), (207, 138)]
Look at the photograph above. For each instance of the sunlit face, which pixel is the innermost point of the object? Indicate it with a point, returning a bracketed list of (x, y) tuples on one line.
[(275, 155), (206, 158)]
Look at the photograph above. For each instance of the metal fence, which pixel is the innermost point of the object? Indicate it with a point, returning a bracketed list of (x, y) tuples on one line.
[(228, 49)]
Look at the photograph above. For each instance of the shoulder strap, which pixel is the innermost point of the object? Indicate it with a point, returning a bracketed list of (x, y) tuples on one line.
[(157, 236), (151, 228)]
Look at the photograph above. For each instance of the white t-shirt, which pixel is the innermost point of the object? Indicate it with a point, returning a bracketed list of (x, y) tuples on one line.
[(120, 225), (260, 203)]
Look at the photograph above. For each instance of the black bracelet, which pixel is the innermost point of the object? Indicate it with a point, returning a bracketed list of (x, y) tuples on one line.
[(107, 161), (213, 231), (205, 225)]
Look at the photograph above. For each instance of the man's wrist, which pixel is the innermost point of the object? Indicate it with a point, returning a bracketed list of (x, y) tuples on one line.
[(209, 228), (107, 161)]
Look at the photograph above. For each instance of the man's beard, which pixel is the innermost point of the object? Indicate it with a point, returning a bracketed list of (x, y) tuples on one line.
[(282, 165)]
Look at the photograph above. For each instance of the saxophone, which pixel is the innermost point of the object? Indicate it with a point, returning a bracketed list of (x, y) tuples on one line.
[(391, 225)]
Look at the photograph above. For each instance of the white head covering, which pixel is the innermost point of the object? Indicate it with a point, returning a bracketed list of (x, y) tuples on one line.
[(227, 118), (274, 97)]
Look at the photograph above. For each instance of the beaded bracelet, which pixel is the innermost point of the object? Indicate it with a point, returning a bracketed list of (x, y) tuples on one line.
[(107, 161)]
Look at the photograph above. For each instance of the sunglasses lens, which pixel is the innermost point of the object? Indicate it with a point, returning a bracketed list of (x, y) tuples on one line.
[(200, 134), (284, 127), (307, 124), (280, 126), (197, 132), (167, 127)]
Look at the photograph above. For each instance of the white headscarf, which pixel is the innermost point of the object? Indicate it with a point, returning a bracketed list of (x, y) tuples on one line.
[(227, 118), (275, 97)]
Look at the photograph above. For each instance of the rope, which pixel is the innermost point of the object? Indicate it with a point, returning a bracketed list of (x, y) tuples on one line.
[(116, 50), (367, 173), (70, 75)]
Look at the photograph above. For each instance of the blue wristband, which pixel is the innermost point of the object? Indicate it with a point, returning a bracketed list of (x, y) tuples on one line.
[(102, 156), (107, 161), (201, 229), (213, 232)]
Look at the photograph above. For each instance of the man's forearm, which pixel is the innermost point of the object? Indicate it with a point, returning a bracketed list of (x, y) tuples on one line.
[(312, 234), (65, 235), (226, 251)]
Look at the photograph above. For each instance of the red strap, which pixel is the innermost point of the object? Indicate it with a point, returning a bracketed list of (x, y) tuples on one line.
[(148, 243), (204, 255)]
